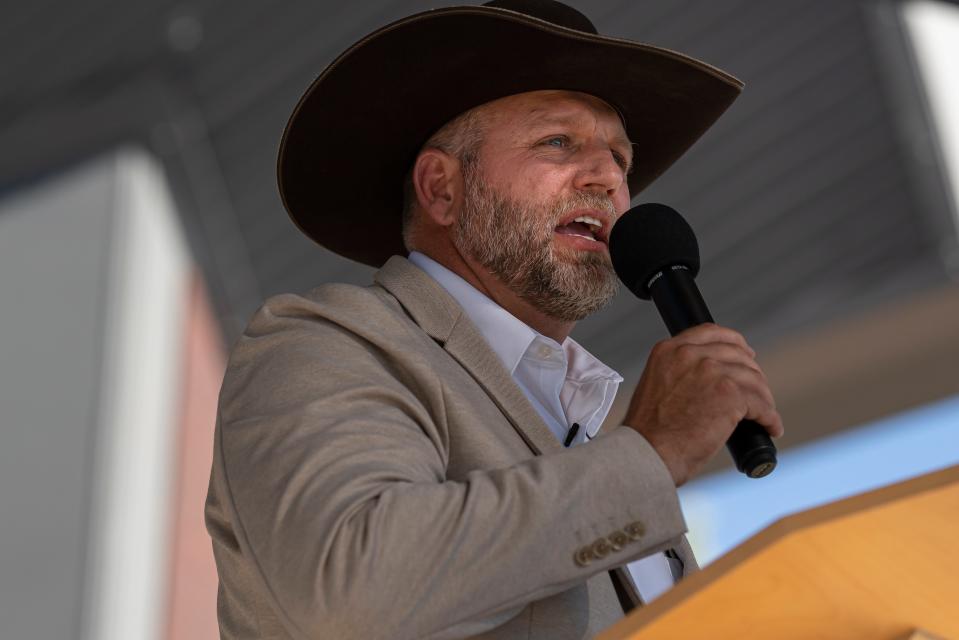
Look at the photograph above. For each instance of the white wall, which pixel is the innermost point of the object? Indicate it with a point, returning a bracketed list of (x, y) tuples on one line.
[(93, 283)]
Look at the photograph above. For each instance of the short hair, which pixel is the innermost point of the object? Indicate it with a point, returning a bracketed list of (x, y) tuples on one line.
[(461, 138)]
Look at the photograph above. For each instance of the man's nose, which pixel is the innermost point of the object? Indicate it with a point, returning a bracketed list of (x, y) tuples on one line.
[(600, 172)]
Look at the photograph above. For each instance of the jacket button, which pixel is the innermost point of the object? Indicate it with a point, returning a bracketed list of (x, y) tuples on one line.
[(601, 548), (583, 556), (635, 530), (618, 540)]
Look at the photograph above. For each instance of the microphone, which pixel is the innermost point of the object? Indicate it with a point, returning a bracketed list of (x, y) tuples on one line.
[(655, 254)]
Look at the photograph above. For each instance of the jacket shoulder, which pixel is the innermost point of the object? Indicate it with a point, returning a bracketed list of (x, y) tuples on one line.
[(294, 341), (329, 304)]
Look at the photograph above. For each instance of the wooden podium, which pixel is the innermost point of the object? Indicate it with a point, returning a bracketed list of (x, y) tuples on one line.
[(883, 565)]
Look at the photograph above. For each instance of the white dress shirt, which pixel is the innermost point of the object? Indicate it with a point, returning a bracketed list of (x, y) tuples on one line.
[(565, 384)]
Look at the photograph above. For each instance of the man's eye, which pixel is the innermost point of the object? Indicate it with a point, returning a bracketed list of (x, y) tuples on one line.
[(621, 161), (557, 141)]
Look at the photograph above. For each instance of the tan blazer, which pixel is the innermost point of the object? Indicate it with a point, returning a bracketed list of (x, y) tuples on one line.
[(378, 474)]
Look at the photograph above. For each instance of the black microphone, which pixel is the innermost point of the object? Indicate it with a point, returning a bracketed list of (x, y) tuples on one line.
[(655, 254)]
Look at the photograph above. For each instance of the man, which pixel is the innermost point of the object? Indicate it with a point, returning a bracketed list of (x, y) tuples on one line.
[(421, 458)]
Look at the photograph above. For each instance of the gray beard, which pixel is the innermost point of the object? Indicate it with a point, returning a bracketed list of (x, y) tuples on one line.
[(513, 240)]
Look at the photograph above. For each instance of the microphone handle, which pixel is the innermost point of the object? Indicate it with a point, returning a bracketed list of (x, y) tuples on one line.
[(682, 306)]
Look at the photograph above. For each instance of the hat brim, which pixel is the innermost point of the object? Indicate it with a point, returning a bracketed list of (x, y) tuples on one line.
[(358, 128)]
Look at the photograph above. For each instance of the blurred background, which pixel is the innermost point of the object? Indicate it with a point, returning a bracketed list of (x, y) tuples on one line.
[(140, 227)]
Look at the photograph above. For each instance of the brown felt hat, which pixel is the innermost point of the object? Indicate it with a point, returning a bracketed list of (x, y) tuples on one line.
[(357, 130)]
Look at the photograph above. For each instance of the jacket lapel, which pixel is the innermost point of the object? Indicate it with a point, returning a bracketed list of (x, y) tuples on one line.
[(470, 349), (438, 314)]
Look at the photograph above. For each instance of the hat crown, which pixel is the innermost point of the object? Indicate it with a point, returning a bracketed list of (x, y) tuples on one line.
[(548, 10), (349, 117)]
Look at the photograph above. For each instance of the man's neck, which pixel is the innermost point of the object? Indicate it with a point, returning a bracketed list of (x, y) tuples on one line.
[(489, 285)]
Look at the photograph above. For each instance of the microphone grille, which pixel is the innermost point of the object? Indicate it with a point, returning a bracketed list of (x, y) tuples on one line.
[(647, 239)]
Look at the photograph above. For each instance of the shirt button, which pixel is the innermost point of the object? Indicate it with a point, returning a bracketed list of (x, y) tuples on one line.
[(544, 351)]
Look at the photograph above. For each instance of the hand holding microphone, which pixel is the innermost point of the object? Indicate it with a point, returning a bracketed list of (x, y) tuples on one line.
[(702, 387)]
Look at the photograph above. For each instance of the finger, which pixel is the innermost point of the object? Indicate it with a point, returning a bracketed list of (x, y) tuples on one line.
[(722, 352), (760, 405), (768, 417), (709, 332), (750, 381), (750, 394)]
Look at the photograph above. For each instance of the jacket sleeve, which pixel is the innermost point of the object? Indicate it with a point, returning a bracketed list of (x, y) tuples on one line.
[(332, 471)]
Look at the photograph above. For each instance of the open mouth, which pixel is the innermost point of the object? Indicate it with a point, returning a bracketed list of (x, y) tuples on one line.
[(585, 227)]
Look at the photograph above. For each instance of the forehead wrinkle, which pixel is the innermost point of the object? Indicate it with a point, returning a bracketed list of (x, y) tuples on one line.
[(533, 118), (551, 115)]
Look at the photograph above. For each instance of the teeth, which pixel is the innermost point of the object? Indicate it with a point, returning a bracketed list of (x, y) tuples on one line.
[(593, 222)]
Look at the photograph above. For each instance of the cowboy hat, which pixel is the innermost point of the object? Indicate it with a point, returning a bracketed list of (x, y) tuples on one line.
[(358, 128)]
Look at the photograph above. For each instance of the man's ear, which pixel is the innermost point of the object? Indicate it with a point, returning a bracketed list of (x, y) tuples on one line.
[(437, 181)]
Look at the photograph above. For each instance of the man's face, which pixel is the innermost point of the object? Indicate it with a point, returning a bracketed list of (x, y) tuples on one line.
[(541, 199)]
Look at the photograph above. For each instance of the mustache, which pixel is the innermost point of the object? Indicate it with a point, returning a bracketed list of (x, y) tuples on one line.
[(566, 204)]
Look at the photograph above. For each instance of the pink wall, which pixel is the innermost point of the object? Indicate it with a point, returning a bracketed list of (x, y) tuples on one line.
[(193, 581)]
